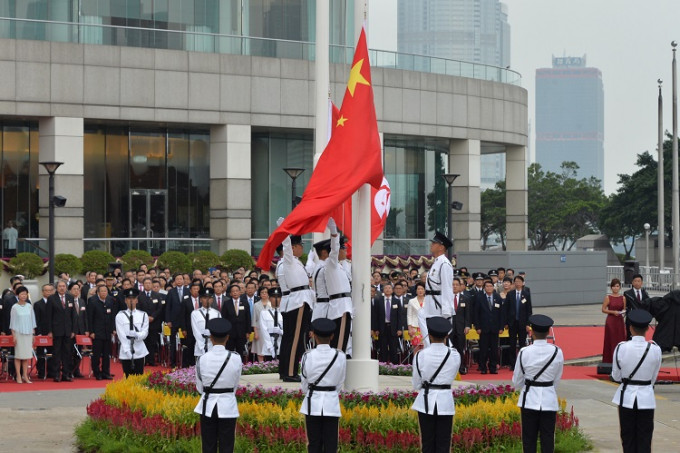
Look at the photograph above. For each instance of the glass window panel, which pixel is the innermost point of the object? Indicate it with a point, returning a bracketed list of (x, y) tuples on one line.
[(16, 176), (32, 188), (94, 181), (178, 183), (147, 160), (199, 178), (117, 188)]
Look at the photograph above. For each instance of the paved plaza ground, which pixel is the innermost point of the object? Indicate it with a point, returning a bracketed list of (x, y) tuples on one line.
[(44, 420)]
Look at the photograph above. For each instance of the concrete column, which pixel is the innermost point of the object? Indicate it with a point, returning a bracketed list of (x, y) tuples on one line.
[(516, 198), (61, 140), (464, 159), (230, 180)]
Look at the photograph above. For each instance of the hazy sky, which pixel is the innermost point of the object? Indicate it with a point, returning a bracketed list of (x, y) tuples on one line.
[(628, 40)]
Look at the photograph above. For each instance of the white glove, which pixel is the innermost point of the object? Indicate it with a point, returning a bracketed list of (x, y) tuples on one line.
[(279, 221), (278, 330), (132, 334), (332, 226), (206, 333)]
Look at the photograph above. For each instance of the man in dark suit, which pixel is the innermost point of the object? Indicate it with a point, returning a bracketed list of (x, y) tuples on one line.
[(152, 304), (462, 320), (237, 312), (517, 313), (101, 318), (173, 313), (91, 281), (189, 304), (62, 316), (489, 323), (80, 326), (389, 323), (43, 328), (635, 298)]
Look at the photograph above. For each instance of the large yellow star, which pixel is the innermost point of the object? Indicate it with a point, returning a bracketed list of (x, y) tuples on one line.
[(341, 121), (356, 77)]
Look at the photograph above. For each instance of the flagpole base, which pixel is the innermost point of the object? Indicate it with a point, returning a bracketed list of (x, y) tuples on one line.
[(362, 375)]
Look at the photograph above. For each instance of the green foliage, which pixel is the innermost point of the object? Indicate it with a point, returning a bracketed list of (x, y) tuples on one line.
[(65, 262), (493, 214), (27, 264), (135, 258), (96, 260), (176, 261), (204, 260), (101, 437), (235, 258)]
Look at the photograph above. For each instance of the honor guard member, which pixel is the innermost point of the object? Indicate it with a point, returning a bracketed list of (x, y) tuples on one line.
[(438, 286), (323, 376), (636, 366), (537, 372), (296, 305), (338, 290), (132, 326), (271, 323), (217, 374), (200, 319), (434, 369)]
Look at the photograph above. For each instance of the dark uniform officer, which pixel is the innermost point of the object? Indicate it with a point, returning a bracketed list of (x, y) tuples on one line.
[(537, 372), (217, 374), (434, 369), (636, 366), (323, 375)]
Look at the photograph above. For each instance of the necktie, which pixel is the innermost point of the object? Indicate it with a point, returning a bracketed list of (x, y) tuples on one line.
[(490, 302), (455, 302), (638, 295), (219, 303), (236, 306), (388, 309), (132, 342), (148, 294), (63, 302), (518, 298)]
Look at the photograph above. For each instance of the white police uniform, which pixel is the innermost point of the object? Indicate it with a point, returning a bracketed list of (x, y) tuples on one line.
[(138, 332), (199, 321), (435, 393), (322, 302), (641, 390), (539, 395), (297, 291), (324, 401), (271, 331), (207, 368), (438, 294)]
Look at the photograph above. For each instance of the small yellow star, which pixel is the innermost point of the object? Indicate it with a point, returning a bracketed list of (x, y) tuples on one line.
[(341, 121), (356, 77)]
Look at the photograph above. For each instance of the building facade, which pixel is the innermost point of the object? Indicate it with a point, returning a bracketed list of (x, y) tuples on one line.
[(570, 117), (175, 120)]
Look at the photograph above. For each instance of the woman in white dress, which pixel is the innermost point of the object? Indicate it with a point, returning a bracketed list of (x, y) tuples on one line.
[(22, 324), (271, 326), (258, 306), (414, 306)]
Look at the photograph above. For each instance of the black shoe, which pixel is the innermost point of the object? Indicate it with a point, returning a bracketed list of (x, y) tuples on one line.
[(512, 368), (67, 379), (493, 371), (463, 371), (483, 371), (292, 379), (78, 375), (99, 378), (56, 379), (108, 377)]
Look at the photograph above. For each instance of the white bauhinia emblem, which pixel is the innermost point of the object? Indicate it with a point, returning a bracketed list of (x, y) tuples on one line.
[(381, 201)]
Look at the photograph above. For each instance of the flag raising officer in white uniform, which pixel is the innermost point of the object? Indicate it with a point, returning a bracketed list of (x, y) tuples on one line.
[(217, 374), (537, 371), (434, 369), (438, 286), (636, 366), (296, 304), (132, 326), (200, 319), (336, 305), (271, 324)]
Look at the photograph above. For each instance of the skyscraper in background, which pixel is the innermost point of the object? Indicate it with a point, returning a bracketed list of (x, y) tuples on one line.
[(570, 117), (474, 31)]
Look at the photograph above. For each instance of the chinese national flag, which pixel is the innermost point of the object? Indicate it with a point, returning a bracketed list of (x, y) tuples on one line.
[(352, 157), (380, 205)]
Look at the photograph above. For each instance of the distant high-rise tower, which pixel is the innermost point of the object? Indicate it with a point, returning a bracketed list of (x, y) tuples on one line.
[(469, 30), (570, 117)]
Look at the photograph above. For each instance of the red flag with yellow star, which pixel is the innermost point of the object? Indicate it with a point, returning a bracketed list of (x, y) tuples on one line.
[(353, 157)]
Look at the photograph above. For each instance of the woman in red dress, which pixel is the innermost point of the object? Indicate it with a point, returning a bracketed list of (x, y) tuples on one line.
[(614, 306)]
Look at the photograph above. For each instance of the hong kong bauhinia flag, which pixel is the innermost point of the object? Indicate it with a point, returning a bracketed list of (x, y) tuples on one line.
[(352, 157)]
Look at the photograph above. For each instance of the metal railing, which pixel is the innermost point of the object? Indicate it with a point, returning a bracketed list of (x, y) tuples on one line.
[(201, 41), (654, 279), (155, 246)]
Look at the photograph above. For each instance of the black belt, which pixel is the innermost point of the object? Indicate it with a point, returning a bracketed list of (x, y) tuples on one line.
[(322, 388), (297, 288), (529, 383), (339, 295), (634, 382), (433, 293), (323, 299), (427, 386), (208, 391)]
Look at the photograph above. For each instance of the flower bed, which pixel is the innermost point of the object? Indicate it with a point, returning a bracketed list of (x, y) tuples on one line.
[(157, 410)]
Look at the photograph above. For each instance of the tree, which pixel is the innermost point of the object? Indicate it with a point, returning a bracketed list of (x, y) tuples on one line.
[(493, 214)]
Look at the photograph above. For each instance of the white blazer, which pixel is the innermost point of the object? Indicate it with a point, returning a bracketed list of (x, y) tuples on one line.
[(207, 367), (534, 358), (425, 364), (626, 357)]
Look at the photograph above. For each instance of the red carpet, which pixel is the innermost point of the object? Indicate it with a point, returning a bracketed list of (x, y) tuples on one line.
[(583, 341)]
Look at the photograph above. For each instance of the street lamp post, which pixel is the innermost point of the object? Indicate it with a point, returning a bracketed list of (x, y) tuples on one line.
[(647, 226), (449, 178), (293, 173), (51, 168)]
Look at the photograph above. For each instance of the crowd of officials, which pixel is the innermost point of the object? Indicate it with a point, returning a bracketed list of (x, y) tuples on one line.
[(231, 319)]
